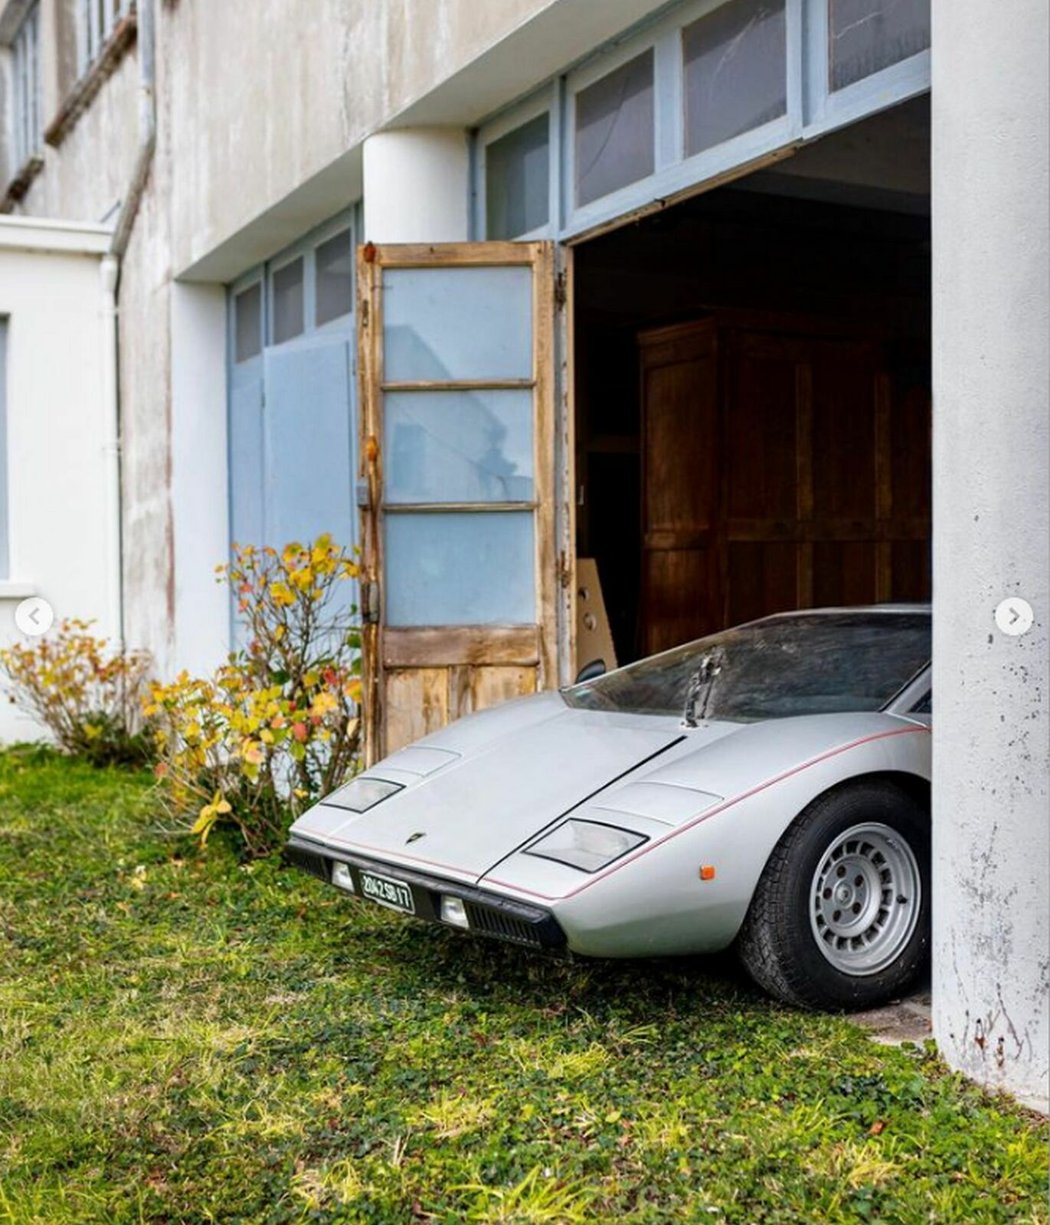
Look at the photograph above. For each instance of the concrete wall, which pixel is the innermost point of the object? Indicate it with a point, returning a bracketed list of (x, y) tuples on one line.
[(60, 430), (991, 277)]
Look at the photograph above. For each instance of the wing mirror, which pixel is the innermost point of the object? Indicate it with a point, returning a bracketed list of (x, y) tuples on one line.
[(589, 671)]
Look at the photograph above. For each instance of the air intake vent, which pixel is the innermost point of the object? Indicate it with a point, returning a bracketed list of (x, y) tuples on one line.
[(493, 922)]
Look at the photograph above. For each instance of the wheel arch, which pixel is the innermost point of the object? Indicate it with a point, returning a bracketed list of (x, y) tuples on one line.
[(913, 785)]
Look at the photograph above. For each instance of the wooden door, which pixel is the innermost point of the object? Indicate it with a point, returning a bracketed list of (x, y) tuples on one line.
[(681, 496), (827, 476), (456, 384), (781, 471)]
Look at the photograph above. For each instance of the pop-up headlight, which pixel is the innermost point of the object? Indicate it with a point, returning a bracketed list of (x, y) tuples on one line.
[(361, 794), (587, 845)]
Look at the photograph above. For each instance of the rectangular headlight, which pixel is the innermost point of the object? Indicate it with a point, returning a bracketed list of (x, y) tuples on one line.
[(587, 845), (454, 911), (361, 794), (341, 877)]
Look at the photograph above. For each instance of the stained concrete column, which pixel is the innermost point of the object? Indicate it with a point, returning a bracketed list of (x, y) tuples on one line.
[(991, 534), (417, 185)]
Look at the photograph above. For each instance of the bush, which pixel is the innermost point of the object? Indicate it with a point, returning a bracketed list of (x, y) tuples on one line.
[(88, 697), (277, 726)]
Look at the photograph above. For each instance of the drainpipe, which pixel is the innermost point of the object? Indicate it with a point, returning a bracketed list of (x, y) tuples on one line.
[(147, 133), (110, 274), (109, 270)]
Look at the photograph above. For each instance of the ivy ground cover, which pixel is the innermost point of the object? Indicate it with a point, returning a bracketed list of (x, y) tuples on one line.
[(188, 1039)]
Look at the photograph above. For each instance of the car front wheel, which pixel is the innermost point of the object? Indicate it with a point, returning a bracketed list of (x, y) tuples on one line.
[(840, 915)]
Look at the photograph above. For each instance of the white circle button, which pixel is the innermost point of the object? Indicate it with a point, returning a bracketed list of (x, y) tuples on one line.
[(34, 616), (1014, 616)]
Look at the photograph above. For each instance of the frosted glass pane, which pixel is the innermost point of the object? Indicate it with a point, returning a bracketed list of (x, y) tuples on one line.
[(460, 569), (614, 130), (457, 323), (517, 180), (453, 446), (868, 35), (247, 308), (735, 71), (288, 301), (334, 293)]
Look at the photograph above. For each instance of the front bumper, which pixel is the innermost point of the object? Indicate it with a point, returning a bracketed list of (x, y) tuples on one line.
[(489, 914)]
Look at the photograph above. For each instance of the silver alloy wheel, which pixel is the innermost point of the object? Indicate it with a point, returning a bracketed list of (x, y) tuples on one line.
[(865, 899)]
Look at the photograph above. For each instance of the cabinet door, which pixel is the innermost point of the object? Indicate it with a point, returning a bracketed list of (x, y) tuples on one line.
[(681, 585)]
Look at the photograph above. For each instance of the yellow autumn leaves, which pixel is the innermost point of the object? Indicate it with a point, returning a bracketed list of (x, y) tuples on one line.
[(277, 725)]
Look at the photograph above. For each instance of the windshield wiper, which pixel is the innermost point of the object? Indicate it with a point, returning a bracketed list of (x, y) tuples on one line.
[(701, 685)]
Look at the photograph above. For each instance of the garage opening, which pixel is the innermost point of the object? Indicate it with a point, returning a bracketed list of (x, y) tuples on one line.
[(752, 394)]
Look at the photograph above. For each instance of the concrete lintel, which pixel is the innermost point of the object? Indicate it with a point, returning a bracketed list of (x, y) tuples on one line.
[(326, 193), (45, 234)]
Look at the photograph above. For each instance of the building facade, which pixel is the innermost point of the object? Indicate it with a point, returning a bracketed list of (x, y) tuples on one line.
[(506, 294)]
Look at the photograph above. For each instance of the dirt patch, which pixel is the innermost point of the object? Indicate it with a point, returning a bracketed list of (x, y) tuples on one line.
[(907, 1020)]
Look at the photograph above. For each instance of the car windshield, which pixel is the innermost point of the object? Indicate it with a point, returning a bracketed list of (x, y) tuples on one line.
[(805, 664)]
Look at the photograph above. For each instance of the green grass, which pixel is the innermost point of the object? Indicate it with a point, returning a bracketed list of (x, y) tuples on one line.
[(188, 1040)]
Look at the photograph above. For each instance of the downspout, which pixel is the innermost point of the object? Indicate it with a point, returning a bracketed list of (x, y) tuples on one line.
[(147, 134), (110, 275)]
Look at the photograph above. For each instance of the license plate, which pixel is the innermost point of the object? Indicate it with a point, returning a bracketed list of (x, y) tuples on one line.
[(393, 893)]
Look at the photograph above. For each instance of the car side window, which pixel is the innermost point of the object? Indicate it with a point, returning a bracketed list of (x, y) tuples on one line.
[(924, 706)]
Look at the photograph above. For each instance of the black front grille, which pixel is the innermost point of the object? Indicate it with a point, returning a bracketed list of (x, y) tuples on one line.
[(309, 861), (492, 922)]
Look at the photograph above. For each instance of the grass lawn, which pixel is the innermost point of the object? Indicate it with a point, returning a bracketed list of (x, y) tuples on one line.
[(188, 1040)]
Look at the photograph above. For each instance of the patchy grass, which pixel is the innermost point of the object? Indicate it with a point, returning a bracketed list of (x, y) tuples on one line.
[(187, 1040)]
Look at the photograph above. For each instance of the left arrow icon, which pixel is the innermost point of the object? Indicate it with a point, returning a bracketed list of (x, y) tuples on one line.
[(34, 616)]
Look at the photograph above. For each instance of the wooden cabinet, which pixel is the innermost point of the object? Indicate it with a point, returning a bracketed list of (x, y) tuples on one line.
[(780, 470)]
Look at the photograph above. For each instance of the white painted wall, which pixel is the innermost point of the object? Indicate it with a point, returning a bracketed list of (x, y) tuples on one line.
[(991, 786), (59, 429), (199, 475), (417, 185)]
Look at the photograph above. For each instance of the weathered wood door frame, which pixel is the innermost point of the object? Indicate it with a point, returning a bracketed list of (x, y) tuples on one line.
[(386, 648)]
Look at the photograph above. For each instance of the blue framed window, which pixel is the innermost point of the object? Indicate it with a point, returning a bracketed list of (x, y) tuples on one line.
[(292, 432), (701, 92), (867, 36)]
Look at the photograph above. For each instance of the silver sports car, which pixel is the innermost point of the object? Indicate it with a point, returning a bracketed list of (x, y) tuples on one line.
[(766, 787)]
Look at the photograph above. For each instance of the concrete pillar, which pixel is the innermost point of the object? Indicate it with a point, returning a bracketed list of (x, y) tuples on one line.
[(991, 531), (417, 185), (199, 476)]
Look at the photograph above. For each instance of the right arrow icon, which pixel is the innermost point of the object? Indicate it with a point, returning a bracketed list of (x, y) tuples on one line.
[(1014, 616)]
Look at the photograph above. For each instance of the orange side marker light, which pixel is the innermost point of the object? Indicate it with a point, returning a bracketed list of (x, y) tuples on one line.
[(707, 872)]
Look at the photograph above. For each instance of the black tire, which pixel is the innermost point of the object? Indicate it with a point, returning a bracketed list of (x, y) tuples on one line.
[(790, 919)]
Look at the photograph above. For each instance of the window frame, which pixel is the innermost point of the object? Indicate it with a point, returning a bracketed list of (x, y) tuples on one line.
[(95, 28), (827, 109), (262, 274), (27, 129), (244, 283), (275, 266), (576, 82), (544, 101), (813, 110)]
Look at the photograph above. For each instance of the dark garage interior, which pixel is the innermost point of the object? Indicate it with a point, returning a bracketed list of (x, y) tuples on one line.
[(753, 393)]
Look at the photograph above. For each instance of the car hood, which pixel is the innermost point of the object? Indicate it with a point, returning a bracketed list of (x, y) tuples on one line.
[(476, 791)]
